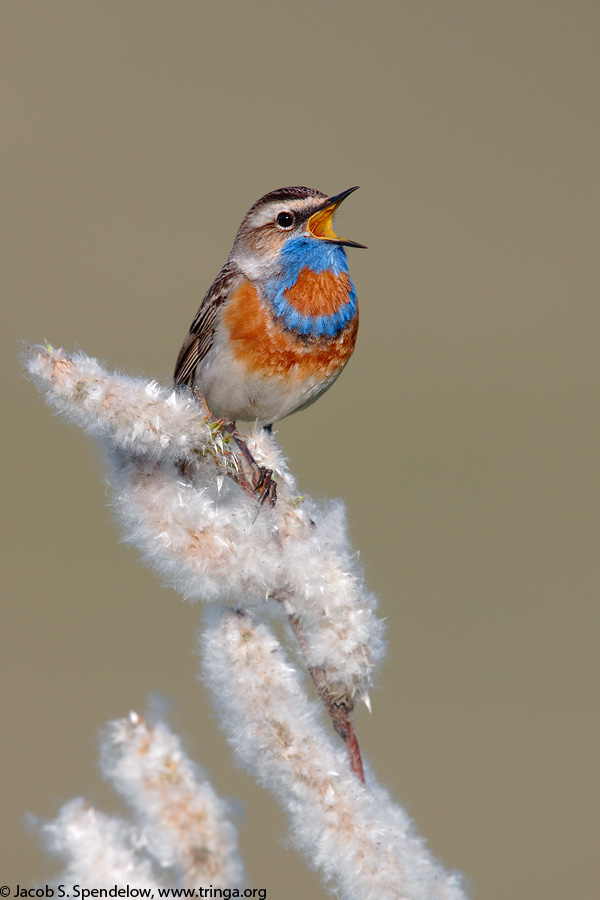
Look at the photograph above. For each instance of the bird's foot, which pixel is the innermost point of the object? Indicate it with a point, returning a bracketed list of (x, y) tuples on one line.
[(263, 483), (265, 486)]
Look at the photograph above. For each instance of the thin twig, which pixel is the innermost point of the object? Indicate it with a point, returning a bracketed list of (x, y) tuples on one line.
[(338, 703)]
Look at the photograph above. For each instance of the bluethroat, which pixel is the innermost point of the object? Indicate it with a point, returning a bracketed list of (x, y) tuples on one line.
[(279, 323)]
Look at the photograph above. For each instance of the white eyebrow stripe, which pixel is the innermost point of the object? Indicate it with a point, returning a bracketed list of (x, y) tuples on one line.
[(269, 213)]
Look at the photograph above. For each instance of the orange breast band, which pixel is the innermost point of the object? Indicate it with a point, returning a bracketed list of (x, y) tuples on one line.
[(265, 348)]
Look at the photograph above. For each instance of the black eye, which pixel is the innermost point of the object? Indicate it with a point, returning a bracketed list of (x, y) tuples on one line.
[(285, 219)]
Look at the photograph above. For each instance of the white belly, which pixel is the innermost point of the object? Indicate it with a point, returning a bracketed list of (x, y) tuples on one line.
[(232, 394)]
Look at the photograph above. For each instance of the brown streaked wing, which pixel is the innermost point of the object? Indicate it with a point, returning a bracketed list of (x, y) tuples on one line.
[(200, 336)]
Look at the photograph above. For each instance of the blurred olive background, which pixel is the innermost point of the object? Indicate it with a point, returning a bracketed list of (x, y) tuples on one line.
[(464, 435)]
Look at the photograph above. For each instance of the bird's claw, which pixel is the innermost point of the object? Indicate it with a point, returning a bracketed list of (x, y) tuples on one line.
[(265, 486), (263, 483)]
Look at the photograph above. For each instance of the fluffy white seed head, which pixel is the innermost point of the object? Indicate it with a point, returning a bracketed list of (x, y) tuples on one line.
[(180, 832), (131, 414), (183, 824), (211, 541), (363, 843)]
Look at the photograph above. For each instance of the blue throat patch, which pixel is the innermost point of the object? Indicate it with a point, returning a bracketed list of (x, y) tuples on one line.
[(302, 253)]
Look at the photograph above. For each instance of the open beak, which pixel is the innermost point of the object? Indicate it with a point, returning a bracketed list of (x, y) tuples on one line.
[(319, 224)]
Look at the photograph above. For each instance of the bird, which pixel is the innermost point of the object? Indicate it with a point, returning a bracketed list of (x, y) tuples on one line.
[(279, 322)]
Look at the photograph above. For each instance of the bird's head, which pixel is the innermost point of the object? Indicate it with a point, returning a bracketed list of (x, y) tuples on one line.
[(299, 214)]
